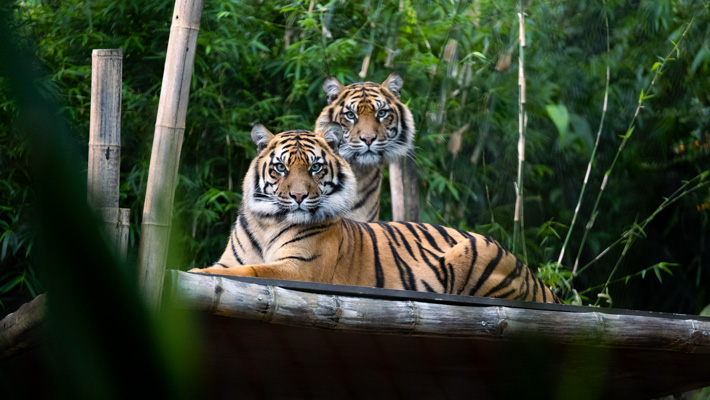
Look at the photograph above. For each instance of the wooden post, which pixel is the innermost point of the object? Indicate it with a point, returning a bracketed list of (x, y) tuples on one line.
[(105, 146), (404, 189), (167, 142)]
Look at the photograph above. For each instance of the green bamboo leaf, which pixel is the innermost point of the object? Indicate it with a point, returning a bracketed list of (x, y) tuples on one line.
[(560, 117), (658, 274)]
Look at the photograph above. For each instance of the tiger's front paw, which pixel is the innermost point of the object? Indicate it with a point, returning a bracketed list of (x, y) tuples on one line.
[(200, 270)]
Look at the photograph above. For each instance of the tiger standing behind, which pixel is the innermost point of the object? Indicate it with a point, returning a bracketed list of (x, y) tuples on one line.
[(379, 129), (290, 226)]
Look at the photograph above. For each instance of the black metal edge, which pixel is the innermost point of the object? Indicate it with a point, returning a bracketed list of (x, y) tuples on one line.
[(448, 299)]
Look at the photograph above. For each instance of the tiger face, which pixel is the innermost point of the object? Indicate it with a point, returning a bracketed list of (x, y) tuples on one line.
[(378, 127), (298, 176)]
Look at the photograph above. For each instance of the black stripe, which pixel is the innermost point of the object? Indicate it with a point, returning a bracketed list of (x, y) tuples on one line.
[(412, 230), (223, 266), (375, 211), (298, 238), (368, 193), (427, 287), (429, 237), (405, 241), (508, 280), (245, 225), (492, 265), (506, 295), (379, 273), (390, 231), (442, 267), (474, 258), (430, 264), (400, 107), (273, 239), (299, 258), (452, 276), (405, 272), (445, 234), (234, 249)]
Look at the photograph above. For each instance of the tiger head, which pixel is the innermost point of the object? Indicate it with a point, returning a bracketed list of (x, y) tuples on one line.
[(378, 127), (298, 176)]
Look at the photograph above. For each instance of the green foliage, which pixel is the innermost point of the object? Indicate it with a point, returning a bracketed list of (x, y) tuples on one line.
[(265, 62)]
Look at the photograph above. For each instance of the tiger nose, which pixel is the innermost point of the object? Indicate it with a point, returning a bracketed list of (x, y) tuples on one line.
[(299, 196), (368, 139)]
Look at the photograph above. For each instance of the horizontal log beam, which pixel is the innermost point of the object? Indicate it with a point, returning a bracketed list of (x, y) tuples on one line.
[(228, 297), (23, 329)]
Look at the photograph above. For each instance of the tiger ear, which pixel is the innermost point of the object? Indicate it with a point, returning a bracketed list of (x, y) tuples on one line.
[(333, 135), (394, 83), (261, 136), (332, 88)]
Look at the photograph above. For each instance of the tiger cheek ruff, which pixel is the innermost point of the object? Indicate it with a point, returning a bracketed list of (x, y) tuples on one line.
[(290, 226)]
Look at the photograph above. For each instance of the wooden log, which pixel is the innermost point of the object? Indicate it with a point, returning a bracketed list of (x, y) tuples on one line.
[(24, 328), (167, 142), (404, 189), (234, 298), (103, 178)]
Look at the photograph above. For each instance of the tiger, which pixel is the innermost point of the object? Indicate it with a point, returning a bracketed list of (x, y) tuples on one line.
[(379, 129), (290, 226)]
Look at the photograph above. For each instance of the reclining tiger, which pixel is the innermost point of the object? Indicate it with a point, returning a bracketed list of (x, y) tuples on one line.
[(290, 225), (379, 129)]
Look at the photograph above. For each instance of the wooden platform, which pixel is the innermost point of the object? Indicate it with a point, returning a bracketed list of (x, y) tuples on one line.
[(280, 339)]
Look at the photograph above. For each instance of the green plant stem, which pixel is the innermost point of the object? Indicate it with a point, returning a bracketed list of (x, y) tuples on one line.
[(626, 137), (629, 242), (604, 285), (594, 152), (677, 195)]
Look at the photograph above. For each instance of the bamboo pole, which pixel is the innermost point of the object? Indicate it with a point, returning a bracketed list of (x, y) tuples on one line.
[(167, 142), (518, 222), (349, 313), (404, 189), (103, 177)]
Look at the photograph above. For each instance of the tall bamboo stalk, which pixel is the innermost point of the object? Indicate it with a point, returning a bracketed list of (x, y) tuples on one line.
[(103, 178), (518, 224), (404, 189), (167, 142)]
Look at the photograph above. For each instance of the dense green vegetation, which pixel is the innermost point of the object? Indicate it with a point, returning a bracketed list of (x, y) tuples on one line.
[(265, 62)]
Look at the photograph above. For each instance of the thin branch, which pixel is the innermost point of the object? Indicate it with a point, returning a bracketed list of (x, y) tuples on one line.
[(594, 151), (644, 95)]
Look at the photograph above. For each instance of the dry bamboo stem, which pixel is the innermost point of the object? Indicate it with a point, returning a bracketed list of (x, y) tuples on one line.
[(404, 189), (223, 296), (103, 178), (519, 233), (165, 157)]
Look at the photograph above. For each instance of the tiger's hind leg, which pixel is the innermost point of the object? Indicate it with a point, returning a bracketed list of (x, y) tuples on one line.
[(479, 266)]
